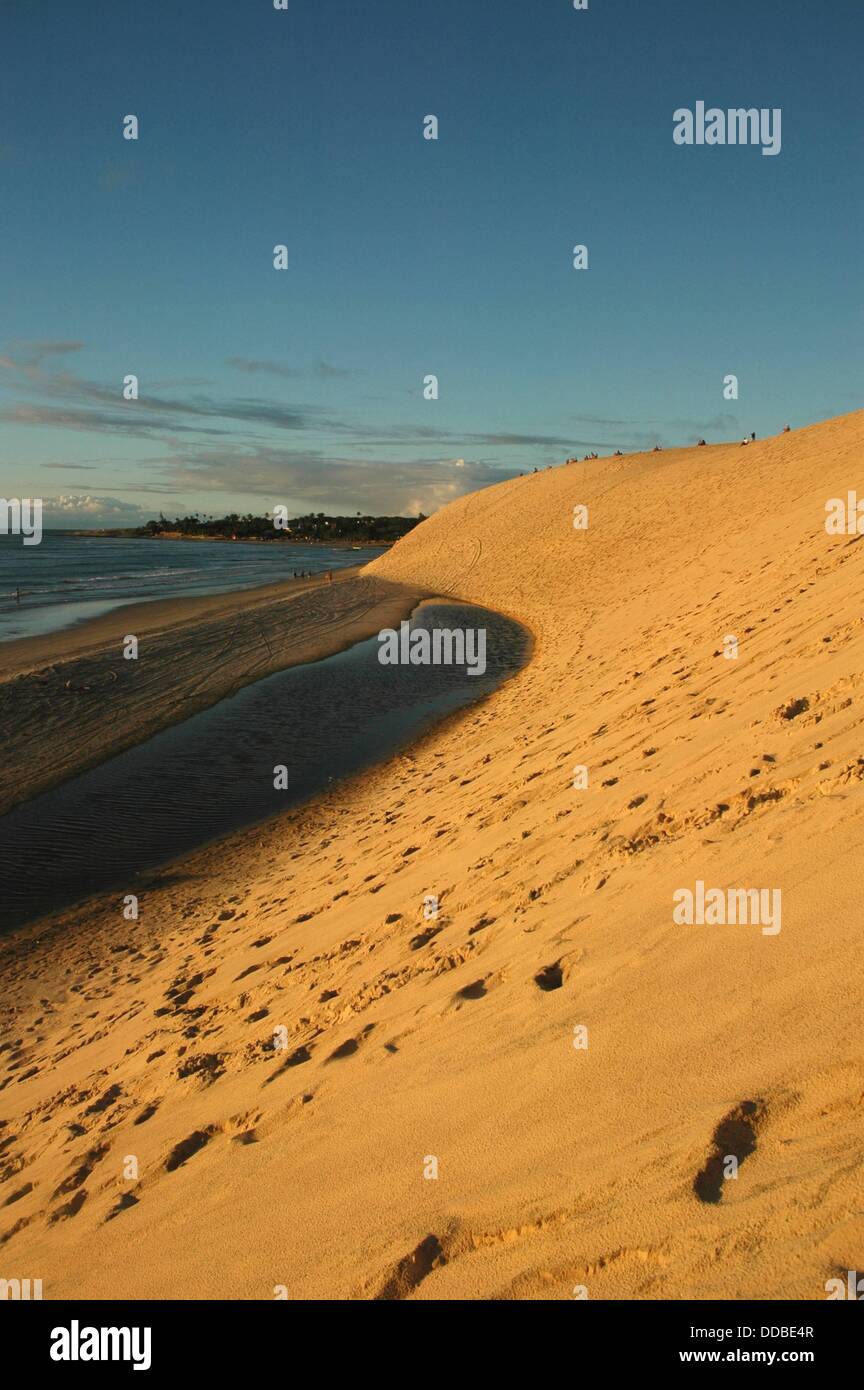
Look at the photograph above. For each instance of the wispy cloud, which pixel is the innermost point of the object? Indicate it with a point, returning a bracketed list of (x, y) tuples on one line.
[(255, 366), (75, 467), (101, 409), (32, 353), (134, 425), (324, 370)]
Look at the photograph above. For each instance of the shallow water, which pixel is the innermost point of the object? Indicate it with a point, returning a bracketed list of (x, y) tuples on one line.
[(214, 773), (67, 579)]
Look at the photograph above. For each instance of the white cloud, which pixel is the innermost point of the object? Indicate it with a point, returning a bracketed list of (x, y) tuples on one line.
[(83, 509)]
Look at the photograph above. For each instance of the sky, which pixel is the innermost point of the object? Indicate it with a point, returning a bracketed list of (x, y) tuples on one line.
[(410, 257)]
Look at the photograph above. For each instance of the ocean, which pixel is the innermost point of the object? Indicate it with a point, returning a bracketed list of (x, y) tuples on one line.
[(67, 579)]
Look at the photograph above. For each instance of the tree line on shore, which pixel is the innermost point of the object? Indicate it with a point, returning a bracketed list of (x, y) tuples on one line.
[(315, 526)]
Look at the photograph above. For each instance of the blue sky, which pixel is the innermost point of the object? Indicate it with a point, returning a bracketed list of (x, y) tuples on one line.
[(406, 256)]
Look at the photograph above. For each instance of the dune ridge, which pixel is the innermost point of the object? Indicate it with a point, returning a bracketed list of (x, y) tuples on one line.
[(415, 1044)]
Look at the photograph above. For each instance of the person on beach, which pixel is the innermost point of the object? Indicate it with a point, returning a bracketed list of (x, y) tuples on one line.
[(786, 429), (701, 442)]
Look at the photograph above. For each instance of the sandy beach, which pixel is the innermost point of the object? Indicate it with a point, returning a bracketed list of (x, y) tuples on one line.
[(287, 1073), (71, 699)]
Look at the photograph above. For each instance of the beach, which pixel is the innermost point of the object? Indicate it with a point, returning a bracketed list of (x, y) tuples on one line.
[(437, 1034), (69, 579), (71, 699), (271, 745)]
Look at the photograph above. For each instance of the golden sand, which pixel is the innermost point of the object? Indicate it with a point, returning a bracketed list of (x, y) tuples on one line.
[(413, 1039)]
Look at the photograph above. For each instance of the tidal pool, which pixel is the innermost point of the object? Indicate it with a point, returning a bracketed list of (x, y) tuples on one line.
[(216, 772)]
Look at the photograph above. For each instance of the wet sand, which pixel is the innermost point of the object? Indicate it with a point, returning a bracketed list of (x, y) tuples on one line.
[(213, 774), (70, 700)]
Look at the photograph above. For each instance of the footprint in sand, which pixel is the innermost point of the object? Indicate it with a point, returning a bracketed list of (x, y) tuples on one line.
[(423, 938), (124, 1202), (82, 1172), (21, 1192), (146, 1114), (350, 1046), (297, 1058), (71, 1208), (412, 1270), (734, 1137), (550, 977), (182, 1152)]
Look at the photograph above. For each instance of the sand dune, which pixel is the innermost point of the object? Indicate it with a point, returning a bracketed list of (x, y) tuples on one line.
[(411, 1039)]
